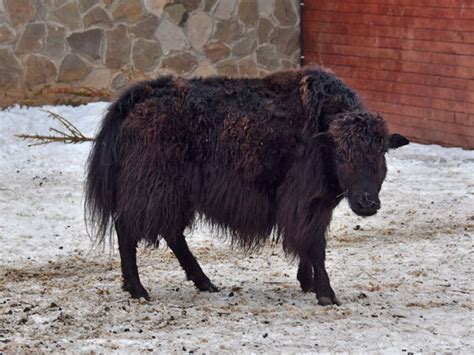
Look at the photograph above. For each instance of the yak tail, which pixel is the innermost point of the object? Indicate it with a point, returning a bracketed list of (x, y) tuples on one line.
[(101, 177), (102, 165)]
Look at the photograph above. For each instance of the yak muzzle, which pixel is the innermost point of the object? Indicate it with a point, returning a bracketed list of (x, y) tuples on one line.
[(364, 204)]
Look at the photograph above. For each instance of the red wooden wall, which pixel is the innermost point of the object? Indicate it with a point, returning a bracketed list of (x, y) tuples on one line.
[(411, 60)]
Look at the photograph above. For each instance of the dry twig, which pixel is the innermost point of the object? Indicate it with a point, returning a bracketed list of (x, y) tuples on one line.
[(71, 135)]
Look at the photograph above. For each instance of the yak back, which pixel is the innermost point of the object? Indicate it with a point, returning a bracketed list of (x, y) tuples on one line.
[(249, 127)]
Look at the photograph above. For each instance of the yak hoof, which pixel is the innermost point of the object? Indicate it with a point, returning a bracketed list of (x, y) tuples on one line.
[(139, 293), (207, 286), (307, 287), (336, 301), (327, 301)]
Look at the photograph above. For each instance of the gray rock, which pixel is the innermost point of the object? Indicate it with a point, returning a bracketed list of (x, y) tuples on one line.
[(171, 37), (87, 43), (119, 82), (264, 27), (3, 15), (209, 5), (21, 11), (98, 78), (68, 15), (118, 47), (97, 16), (225, 9), (87, 4), (40, 9), (130, 10), (39, 70), (73, 68), (247, 67), (285, 12), (204, 69), (176, 12), (286, 40), (295, 58), (55, 44), (145, 28), (6, 34), (31, 40), (245, 45), (216, 51), (156, 7), (266, 7), (228, 31), (190, 5), (285, 63), (228, 67), (10, 70), (198, 29), (145, 54), (180, 63), (59, 2), (248, 12), (267, 57)]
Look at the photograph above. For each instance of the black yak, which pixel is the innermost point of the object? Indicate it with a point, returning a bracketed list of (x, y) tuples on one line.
[(250, 156)]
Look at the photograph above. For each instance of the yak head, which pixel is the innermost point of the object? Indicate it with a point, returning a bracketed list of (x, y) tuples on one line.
[(359, 141)]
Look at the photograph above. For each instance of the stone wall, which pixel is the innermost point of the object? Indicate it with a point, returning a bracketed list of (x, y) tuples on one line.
[(48, 47)]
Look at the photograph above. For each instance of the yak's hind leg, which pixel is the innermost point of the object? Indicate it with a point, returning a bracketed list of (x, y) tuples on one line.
[(127, 239), (189, 263), (305, 275)]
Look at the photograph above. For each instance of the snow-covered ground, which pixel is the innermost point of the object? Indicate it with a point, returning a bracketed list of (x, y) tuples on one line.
[(404, 276)]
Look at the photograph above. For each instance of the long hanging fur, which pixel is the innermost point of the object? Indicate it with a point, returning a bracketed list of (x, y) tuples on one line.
[(244, 154), (102, 165)]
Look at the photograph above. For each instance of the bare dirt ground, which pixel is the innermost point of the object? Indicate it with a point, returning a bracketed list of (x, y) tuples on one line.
[(404, 276)]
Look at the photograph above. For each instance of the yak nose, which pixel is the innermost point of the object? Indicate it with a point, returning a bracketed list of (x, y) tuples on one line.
[(368, 201)]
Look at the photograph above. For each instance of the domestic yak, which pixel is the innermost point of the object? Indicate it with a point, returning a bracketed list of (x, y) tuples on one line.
[(250, 156)]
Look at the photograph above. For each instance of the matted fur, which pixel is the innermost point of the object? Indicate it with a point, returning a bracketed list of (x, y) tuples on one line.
[(247, 155), (220, 148)]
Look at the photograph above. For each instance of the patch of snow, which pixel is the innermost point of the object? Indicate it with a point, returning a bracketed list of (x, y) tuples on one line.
[(404, 276)]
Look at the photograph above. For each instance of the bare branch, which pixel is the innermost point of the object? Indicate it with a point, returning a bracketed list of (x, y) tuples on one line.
[(53, 139), (72, 135)]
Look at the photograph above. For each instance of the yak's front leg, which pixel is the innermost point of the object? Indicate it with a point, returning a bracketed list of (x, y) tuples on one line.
[(324, 292)]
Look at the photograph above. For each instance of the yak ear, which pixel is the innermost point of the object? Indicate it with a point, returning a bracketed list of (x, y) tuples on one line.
[(396, 140)]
